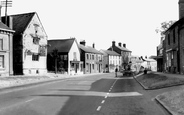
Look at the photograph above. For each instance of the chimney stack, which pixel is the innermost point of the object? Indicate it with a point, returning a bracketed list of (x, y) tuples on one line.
[(124, 45), (181, 8), (119, 44), (113, 43), (93, 45), (83, 42)]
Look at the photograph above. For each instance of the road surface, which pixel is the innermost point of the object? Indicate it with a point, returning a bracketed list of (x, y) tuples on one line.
[(100, 94)]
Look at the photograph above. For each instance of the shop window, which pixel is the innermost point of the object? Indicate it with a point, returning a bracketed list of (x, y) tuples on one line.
[(1, 61), (35, 57)]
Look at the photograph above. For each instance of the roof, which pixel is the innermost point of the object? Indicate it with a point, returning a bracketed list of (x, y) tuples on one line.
[(89, 49), (62, 45), (111, 52), (123, 49), (5, 27), (21, 21), (175, 24)]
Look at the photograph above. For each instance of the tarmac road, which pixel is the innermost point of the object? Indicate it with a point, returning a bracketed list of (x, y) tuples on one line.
[(101, 94)]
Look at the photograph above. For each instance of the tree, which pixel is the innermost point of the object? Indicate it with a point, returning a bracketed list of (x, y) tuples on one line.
[(164, 26)]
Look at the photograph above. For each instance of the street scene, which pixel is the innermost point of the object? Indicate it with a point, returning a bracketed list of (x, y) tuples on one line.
[(91, 57)]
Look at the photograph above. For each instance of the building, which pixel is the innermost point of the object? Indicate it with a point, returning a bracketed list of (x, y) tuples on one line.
[(91, 57), (173, 57), (6, 50), (29, 44), (136, 63), (111, 60), (123, 51), (159, 57), (64, 55)]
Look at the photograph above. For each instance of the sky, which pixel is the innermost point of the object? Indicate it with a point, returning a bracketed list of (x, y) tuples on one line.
[(132, 22)]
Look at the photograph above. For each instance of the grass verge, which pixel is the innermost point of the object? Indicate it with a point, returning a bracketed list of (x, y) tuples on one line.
[(173, 101), (155, 81)]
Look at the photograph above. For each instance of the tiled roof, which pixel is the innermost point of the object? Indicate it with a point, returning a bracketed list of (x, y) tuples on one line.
[(111, 52), (4, 27), (21, 21), (62, 45), (89, 49)]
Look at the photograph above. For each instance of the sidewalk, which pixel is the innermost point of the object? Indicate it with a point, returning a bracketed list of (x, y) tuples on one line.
[(22, 80)]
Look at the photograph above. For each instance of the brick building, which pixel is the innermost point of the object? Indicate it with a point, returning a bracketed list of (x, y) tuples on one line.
[(173, 56)]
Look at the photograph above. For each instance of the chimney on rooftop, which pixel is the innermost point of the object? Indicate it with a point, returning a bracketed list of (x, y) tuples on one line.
[(119, 44), (181, 8), (93, 45), (83, 42), (113, 43), (124, 45)]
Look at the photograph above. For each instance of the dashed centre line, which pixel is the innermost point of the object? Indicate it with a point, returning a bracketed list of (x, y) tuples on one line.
[(99, 107), (103, 101)]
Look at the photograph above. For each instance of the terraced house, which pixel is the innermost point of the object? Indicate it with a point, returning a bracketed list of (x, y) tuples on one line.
[(91, 58), (111, 60), (29, 44), (121, 50), (6, 50), (173, 56), (64, 55)]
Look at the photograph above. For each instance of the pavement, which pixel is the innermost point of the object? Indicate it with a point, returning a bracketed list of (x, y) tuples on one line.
[(156, 98), (22, 80)]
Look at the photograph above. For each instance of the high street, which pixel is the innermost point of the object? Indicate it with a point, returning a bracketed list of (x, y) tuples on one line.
[(101, 94)]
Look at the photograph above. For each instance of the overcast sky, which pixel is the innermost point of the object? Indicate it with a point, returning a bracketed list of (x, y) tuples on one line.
[(132, 22)]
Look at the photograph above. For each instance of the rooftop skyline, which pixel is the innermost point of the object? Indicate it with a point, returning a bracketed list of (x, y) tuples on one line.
[(101, 22)]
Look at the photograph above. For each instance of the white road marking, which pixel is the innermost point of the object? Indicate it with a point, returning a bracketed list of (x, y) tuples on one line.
[(103, 101), (124, 94), (99, 107), (106, 96), (107, 93)]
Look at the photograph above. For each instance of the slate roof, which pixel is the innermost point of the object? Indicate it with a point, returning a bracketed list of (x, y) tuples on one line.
[(89, 49), (21, 21), (62, 45), (111, 52), (5, 27), (123, 49)]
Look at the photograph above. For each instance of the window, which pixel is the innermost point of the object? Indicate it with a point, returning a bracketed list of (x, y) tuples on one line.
[(65, 57), (174, 38), (168, 39), (1, 61), (93, 66), (87, 56), (74, 56), (93, 57), (35, 57), (1, 44)]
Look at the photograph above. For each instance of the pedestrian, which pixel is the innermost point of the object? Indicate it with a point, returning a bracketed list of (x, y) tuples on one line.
[(116, 70)]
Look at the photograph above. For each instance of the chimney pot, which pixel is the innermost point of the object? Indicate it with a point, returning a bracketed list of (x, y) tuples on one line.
[(93, 45), (113, 43), (83, 42), (124, 45), (119, 44)]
